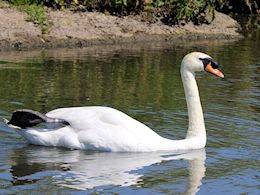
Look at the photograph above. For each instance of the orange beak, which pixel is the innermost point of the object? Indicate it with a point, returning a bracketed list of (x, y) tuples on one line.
[(216, 72)]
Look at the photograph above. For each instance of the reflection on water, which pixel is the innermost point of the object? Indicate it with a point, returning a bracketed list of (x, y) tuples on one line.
[(85, 170), (143, 81)]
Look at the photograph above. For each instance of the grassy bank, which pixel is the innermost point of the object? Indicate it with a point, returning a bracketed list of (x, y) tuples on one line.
[(74, 25), (35, 12), (171, 12)]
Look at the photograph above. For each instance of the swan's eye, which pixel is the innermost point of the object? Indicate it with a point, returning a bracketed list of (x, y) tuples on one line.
[(207, 61)]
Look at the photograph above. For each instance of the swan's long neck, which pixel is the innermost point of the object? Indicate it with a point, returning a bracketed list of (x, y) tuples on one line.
[(196, 134), (196, 119)]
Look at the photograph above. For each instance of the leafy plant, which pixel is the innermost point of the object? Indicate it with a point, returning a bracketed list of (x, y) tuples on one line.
[(197, 11), (37, 15)]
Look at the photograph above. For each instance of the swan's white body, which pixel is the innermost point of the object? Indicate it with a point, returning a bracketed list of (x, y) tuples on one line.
[(107, 129)]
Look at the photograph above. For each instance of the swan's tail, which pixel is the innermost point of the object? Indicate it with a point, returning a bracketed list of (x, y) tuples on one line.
[(29, 118)]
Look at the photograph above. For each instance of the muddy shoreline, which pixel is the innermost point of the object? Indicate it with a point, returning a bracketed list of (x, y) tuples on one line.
[(70, 30)]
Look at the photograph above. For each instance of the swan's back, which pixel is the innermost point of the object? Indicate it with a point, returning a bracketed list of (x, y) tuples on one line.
[(107, 128), (85, 118)]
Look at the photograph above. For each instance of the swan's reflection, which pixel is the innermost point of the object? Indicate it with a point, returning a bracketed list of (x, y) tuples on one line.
[(85, 170)]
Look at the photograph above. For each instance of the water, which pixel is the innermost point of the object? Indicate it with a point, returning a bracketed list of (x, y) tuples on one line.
[(144, 82)]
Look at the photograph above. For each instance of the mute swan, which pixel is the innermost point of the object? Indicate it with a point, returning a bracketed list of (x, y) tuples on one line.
[(107, 129)]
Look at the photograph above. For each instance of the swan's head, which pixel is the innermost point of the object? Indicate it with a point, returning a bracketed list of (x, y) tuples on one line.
[(198, 61)]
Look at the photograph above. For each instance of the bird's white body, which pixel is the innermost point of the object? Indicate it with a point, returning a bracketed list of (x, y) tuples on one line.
[(107, 129)]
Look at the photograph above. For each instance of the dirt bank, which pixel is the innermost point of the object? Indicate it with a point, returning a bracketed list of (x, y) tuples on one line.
[(71, 29)]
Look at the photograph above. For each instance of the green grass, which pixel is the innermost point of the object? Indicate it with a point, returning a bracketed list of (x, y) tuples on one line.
[(35, 12), (38, 16)]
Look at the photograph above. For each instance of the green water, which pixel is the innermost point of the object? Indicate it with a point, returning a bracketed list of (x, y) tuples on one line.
[(142, 80)]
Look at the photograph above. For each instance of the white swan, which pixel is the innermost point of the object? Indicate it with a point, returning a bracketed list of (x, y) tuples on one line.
[(107, 129)]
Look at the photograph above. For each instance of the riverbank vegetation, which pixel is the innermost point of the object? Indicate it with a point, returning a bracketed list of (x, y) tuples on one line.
[(38, 16), (169, 11)]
